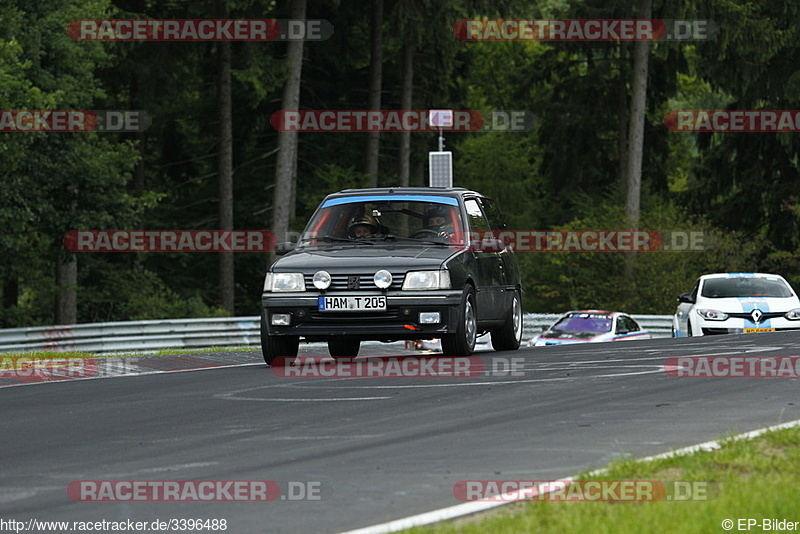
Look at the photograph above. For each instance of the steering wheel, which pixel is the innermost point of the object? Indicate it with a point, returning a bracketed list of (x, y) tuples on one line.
[(426, 233)]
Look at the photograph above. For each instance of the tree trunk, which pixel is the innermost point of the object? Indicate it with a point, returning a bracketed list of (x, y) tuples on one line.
[(406, 99), (225, 174), (375, 87), (641, 51), (287, 141), (633, 173), (67, 296), (622, 105)]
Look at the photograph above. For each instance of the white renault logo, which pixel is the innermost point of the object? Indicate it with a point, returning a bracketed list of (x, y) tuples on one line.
[(756, 315)]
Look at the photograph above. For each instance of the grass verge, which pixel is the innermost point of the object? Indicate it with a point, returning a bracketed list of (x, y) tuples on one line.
[(753, 479), (52, 355)]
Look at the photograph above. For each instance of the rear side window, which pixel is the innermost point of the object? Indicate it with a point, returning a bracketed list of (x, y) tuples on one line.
[(493, 214)]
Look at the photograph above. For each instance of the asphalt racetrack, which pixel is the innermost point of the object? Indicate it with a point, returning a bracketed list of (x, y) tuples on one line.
[(363, 451)]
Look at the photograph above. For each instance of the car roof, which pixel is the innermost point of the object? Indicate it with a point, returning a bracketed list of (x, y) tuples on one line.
[(597, 312), (740, 275), (442, 191)]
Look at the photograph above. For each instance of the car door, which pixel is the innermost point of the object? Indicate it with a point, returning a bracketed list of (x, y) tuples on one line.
[(488, 270), (509, 268)]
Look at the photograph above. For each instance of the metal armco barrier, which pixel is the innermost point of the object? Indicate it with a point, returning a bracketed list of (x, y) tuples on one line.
[(201, 333)]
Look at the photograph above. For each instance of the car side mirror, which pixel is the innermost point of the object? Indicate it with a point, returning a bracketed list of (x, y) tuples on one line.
[(686, 297), (283, 248), (491, 244)]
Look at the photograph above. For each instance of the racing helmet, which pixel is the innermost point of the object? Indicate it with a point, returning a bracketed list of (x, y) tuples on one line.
[(436, 217)]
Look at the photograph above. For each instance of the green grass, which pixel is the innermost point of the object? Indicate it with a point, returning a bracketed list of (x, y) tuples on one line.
[(755, 479), (52, 355)]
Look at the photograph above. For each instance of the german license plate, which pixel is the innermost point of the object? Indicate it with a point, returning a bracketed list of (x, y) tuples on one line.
[(360, 303), (755, 330)]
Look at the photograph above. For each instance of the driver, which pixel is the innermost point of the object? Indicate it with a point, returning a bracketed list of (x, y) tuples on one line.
[(437, 219), (363, 226)]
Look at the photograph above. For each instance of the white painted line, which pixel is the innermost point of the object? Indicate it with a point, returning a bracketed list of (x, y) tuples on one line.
[(713, 445), (332, 399), (145, 373), (461, 510)]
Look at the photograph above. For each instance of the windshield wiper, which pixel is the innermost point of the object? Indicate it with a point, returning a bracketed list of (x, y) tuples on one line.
[(419, 240), (337, 239)]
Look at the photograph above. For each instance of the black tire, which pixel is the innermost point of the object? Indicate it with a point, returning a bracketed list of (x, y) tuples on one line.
[(509, 336), (462, 342), (343, 348), (277, 350), (689, 328)]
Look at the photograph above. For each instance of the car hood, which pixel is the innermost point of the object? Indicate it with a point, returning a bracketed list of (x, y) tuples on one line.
[(748, 304), (364, 257)]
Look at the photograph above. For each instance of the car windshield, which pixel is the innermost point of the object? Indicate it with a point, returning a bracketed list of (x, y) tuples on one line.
[(717, 288), (584, 322), (371, 219)]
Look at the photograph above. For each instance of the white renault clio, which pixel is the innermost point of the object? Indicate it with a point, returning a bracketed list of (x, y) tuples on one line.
[(736, 303)]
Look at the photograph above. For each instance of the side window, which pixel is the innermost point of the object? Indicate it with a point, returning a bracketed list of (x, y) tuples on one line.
[(477, 222), (627, 325), (621, 326), (493, 214)]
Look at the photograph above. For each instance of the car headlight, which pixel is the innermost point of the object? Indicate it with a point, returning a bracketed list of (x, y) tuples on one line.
[(322, 280), (284, 282), (418, 280), (712, 315), (382, 279), (793, 315)]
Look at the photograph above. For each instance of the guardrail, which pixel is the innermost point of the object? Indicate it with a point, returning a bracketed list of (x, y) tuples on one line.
[(200, 333)]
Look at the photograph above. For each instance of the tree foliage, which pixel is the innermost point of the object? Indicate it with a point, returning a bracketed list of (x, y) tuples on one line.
[(565, 173)]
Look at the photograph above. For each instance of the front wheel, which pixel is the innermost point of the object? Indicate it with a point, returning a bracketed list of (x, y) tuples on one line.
[(509, 336), (277, 350), (462, 342)]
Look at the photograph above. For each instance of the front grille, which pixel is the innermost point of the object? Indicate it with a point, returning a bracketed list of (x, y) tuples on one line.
[(764, 316), (342, 282), (349, 317)]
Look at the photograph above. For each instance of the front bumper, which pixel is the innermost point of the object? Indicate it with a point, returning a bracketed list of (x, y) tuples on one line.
[(399, 321), (735, 325)]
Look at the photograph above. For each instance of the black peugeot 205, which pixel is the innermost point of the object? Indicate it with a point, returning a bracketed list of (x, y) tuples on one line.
[(389, 264)]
